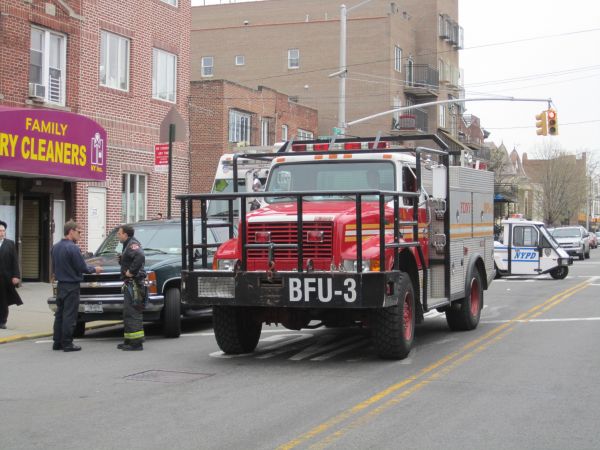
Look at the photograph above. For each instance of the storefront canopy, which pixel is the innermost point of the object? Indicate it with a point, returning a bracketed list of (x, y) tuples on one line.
[(51, 143)]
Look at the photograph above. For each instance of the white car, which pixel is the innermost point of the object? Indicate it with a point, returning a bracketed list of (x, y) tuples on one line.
[(575, 240)]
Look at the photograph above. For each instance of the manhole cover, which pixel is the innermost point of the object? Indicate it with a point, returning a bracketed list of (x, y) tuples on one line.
[(167, 376)]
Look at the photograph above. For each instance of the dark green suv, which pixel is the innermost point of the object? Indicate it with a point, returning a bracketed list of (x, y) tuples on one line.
[(101, 297)]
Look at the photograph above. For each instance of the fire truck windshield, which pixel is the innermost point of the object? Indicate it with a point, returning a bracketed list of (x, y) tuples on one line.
[(331, 176)]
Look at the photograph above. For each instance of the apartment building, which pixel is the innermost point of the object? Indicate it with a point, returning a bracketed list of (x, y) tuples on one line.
[(399, 53), (84, 88), (226, 117)]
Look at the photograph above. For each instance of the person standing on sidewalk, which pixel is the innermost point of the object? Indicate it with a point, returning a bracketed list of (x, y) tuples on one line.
[(69, 267), (10, 276), (132, 261)]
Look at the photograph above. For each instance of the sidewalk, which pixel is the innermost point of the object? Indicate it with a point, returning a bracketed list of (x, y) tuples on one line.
[(33, 318)]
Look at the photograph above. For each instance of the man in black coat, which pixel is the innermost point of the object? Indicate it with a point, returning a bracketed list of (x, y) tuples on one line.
[(9, 275)]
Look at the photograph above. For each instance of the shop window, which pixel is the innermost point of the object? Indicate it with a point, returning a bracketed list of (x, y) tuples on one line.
[(8, 205), (164, 75), (114, 61), (47, 66), (133, 205)]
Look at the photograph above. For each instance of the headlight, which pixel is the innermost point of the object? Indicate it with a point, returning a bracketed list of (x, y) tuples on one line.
[(226, 264), (368, 265)]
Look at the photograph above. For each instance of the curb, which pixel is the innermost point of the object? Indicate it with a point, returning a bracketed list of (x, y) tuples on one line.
[(24, 337)]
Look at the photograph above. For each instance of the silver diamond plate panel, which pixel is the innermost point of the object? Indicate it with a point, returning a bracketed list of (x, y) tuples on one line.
[(220, 287)]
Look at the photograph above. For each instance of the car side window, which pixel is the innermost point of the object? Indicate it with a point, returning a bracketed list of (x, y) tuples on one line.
[(525, 237)]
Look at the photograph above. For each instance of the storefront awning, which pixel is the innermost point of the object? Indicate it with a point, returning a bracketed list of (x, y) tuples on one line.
[(49, 143), (502, 198)]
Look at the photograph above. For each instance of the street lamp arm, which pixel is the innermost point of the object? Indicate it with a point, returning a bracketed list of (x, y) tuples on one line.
[(442, 102)]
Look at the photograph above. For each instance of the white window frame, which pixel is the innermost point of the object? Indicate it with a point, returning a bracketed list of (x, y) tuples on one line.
[(207, 66), (284, 132), (303, 135), (442, 116), (107, 60), (170, 2), (293, 58), (264, 131), (164, 64), (397, 58), (55, 90), (240, 60), (240, 126), (130, 201)]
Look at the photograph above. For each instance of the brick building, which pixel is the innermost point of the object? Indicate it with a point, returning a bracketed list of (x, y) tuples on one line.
[(398, 54), (115, 65), (226, 117)]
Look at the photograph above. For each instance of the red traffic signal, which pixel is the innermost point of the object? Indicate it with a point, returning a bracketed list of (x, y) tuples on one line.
[(552, 122)]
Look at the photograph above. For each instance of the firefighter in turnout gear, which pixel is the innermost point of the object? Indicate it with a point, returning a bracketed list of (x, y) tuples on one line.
[(134, 290)]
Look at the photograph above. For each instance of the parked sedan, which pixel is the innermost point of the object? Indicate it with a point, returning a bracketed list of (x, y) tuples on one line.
[(575, 240), (593, 240)]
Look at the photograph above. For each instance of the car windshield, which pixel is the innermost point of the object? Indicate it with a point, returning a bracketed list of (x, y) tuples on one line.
[(331, 176), (163, 238), (566, 233)]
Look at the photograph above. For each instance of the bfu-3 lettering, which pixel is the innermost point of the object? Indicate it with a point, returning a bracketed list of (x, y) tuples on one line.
[(321, 288)]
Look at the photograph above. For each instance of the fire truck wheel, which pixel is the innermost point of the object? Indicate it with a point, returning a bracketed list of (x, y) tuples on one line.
[(559, 273), (464, 314), (394, 327), (172, 313), (236, 330)]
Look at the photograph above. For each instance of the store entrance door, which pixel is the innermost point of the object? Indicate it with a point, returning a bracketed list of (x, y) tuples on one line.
[(35, 230)]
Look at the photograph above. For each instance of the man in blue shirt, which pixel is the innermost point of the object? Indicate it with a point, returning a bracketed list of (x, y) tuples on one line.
[(68, 266)]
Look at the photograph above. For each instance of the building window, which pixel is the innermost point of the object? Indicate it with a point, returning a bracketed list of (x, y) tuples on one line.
[(264, 131), (397, 59), (164, 75), (114, 61), (207, 66), (303, 134), (442, 116), (284, 132), (240, 60), (47, 65), (293, 58), (171, 2), (239, 127), (133, 204)]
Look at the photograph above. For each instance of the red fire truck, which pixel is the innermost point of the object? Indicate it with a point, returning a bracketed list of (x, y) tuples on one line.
[(352, 232)]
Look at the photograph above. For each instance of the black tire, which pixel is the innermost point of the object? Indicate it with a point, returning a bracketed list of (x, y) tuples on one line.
[(559, 273), (171, 315), (235, 329), (464, 314), (79, 330), (393, 328)]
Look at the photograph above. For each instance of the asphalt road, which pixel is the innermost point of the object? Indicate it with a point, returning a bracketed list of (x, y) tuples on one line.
[(526, 378)]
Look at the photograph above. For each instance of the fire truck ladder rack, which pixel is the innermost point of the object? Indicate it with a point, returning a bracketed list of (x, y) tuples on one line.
[(190, 255)]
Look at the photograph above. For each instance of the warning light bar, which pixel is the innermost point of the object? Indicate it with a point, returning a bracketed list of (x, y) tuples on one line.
[(339, 146)]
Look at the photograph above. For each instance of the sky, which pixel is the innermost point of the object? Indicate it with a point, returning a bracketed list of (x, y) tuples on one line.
[(535, 50)]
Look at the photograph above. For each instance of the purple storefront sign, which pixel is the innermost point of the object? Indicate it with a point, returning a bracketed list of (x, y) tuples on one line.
[(51, 143)]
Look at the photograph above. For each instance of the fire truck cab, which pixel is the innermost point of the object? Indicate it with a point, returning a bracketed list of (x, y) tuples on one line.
[(526, 247), (356, 232)]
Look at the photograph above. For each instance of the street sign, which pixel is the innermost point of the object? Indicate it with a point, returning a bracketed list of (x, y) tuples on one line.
[(336, 131), (161, 158)]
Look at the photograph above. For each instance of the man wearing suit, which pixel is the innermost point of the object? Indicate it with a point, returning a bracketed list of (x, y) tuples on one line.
[(9, 275)]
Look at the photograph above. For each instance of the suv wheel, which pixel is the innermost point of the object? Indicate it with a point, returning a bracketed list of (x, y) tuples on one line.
[(171, 314)]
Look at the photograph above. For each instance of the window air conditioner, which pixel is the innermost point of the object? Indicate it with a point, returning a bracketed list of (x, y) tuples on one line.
[(37, 90)]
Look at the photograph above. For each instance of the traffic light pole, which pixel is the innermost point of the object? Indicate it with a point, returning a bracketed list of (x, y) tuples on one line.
[(443, 102)]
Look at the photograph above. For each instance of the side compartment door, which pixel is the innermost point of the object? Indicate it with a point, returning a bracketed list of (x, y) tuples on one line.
[(525, 255)]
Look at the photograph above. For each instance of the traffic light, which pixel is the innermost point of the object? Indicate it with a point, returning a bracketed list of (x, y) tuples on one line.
[(552, 122), (541, 123)]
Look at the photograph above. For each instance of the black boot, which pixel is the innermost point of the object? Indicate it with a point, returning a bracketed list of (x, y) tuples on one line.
[(132, 347), (125, 342)]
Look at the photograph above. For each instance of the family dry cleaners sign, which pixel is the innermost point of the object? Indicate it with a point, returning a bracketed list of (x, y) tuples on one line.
[(51, 143)]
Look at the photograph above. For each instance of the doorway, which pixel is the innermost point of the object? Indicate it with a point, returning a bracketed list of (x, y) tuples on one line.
[(35, 233)]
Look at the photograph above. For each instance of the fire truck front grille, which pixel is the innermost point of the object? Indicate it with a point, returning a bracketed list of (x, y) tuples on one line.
[(287, 233)]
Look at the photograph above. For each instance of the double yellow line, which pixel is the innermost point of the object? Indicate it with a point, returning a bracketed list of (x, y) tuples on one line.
[(367, 410)]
